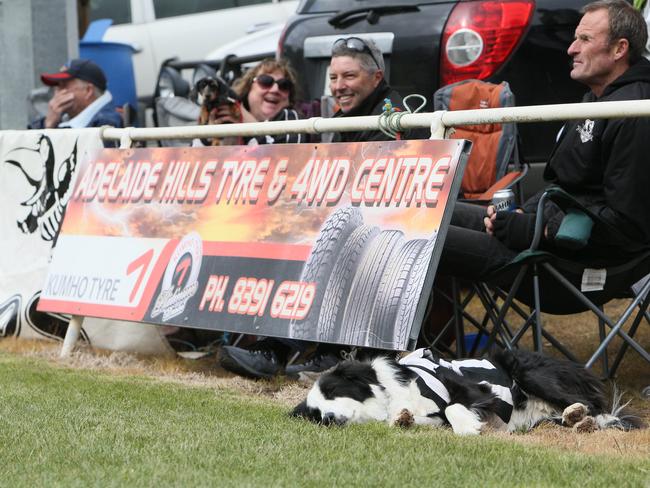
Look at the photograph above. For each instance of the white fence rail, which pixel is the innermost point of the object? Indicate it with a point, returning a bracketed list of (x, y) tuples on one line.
[(437, 121)]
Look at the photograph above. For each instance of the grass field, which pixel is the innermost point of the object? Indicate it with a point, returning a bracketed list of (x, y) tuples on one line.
[(159, 424)]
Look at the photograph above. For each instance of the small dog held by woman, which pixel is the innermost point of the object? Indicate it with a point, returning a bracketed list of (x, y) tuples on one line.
[(513, 391)]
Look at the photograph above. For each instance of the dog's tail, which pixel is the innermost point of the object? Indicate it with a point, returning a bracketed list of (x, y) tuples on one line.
[(621, 416), (563, 383)]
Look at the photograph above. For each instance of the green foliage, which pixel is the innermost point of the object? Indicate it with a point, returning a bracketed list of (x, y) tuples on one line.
[(61, 427)]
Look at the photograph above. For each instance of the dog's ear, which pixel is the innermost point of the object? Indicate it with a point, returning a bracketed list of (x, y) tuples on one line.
[(200, 85), (350, 379), (196, 93), (356, 371), (303, 411)]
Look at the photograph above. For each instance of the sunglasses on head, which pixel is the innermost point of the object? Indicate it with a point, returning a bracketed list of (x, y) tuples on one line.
[(267, 81), (355, 44)]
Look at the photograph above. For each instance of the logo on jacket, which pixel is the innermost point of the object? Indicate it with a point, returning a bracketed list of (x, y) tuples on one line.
[(50, 181), (181, 279), (586, 131)]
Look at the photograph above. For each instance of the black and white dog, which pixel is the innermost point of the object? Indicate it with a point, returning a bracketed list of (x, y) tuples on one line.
[(515, 390)]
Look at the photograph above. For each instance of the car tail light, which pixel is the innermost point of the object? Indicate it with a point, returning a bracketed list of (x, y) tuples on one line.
[(479, 37)]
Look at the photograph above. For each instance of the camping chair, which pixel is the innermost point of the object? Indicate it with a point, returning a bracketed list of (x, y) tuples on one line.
[(494, 162), (548, 283)]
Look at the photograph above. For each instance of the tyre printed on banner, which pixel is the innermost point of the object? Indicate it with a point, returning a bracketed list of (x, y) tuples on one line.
[(391, 290), (320, 263), (10, 316), (358, 326), (180, 281), (411, 294), (47, 324), (340, 282)]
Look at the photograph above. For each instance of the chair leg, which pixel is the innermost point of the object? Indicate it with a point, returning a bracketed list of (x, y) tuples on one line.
[(504, 310), (558, 345), (537, 324), (618, 329), (458, 320), (643, 312), (601, 336)]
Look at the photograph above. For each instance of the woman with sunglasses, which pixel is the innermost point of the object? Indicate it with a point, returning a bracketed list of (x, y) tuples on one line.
[(267, 92)]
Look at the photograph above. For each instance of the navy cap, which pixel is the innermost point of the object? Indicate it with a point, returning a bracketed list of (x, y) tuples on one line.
[(84, 69)]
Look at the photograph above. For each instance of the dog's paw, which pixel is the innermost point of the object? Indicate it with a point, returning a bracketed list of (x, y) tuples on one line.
[(587, 424), (574, 414), (404, 419), (462, 420)]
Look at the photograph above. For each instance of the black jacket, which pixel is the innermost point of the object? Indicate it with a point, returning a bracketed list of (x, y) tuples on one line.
[(605, 164), (372, 105)]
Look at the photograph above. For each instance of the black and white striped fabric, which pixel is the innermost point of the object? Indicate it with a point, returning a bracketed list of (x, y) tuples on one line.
[(425, 365), (285, 114)]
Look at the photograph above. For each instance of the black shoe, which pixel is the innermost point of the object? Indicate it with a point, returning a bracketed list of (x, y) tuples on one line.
[(254, 364), (317, 364)]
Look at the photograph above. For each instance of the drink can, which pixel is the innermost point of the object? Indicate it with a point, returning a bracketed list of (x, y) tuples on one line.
[(504, 200)]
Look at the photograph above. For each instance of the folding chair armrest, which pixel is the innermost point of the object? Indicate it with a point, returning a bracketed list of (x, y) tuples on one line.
[(575, 228)]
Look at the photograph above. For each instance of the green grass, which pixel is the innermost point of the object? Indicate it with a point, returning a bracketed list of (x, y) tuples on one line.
[(63, 427)]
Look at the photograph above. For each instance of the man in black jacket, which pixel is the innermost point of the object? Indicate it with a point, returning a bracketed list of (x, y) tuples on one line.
[(602, 163), (357, 83)]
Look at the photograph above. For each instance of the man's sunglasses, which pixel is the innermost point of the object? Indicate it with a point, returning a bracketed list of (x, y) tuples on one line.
[(267, 81), (354, 44)]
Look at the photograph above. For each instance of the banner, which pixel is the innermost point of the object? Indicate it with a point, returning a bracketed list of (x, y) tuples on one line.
[(329, 242), (37, 174)]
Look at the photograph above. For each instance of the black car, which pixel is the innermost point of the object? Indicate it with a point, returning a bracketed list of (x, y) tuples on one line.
[(428, 44)]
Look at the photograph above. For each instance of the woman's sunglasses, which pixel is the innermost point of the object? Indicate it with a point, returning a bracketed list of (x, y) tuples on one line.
[(267, 81), (354, 44)]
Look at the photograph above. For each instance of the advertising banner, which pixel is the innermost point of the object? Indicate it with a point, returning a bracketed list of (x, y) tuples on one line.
[(327, 242), (37, 174)]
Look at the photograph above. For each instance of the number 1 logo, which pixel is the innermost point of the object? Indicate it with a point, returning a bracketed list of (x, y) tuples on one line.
[(141, 263)]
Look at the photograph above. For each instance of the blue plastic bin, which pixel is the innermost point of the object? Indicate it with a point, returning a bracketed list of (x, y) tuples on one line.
[(115, 59)]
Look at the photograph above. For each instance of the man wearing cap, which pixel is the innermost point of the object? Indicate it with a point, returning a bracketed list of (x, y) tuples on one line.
[(80, 98)]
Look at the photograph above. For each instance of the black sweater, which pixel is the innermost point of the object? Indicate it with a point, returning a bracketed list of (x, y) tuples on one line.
[(372, 105), (605, 164)]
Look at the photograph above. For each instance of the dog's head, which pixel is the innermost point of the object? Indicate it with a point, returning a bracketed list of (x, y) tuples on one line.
[(350, 393), (211, 92)]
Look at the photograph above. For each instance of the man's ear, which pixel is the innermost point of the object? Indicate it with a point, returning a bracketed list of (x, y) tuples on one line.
[(89, 91), (377, 77), (621, 48)]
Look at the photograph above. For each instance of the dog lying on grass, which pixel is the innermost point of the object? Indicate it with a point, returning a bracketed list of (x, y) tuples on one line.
[(513, 391)]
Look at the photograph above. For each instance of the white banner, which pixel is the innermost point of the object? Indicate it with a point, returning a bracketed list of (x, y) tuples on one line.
[(37, 172)]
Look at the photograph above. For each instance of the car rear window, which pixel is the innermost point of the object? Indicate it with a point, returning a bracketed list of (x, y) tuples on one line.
[(318, 6), (172, 8)]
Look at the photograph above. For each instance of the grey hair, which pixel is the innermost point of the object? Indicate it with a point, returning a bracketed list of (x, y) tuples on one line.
[(625, 22), (366, 61)]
